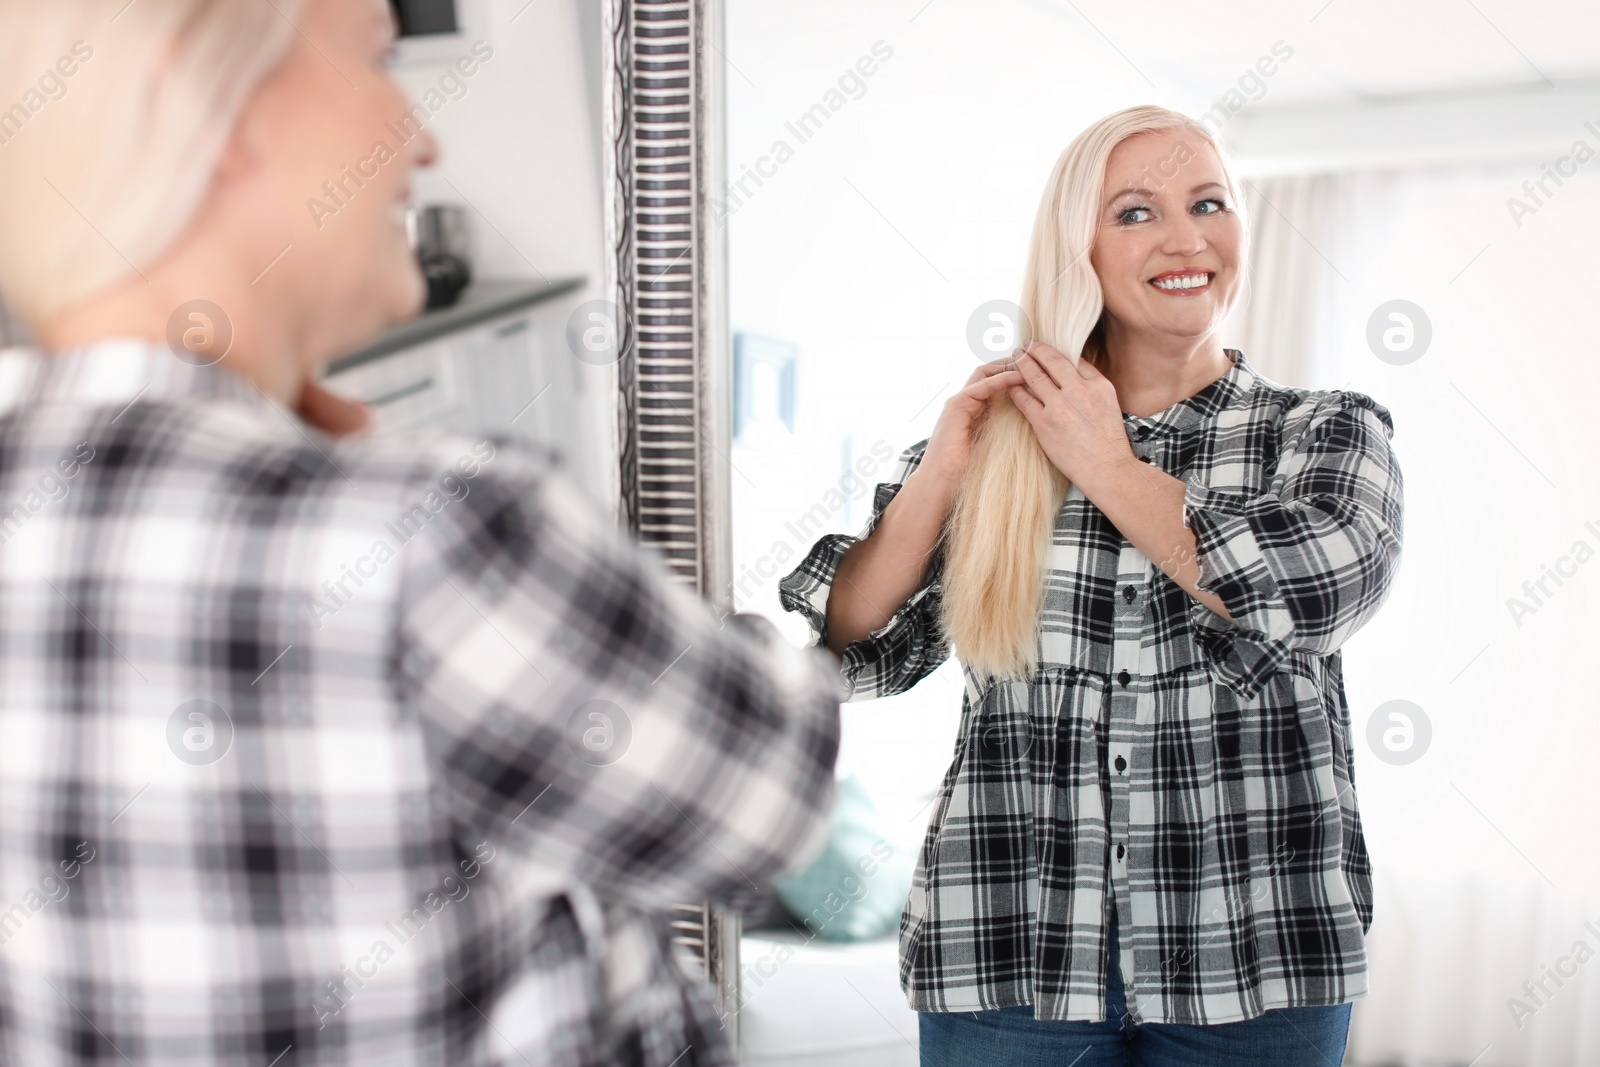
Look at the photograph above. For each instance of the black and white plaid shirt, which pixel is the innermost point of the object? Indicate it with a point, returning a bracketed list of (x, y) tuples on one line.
[(1195, 776), (318, 752)]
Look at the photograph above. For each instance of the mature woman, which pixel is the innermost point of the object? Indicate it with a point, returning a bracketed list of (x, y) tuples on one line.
[(276, 785), (1146, 556)]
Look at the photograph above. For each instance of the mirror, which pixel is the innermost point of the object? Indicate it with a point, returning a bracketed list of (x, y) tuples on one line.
[(1423, 200)]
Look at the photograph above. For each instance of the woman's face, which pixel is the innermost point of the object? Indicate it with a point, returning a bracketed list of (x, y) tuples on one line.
[(1168, 243), (330, 145)]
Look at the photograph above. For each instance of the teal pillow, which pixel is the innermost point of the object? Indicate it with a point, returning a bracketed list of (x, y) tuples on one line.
[(856, 888)]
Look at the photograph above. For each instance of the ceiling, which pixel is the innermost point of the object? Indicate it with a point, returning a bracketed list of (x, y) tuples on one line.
[(1353, 83), (1353, 50)]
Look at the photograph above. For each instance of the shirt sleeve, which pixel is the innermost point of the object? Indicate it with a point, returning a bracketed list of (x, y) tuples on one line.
[(1305, 564), (581, 705), (907, 648)]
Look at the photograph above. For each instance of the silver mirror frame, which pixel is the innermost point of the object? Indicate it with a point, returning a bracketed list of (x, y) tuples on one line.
[(663, 147)]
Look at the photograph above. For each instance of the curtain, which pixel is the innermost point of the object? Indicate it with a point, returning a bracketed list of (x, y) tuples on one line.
[(1280, 321)]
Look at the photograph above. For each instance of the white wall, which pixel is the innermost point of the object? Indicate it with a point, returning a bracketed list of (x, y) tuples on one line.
[(521, 149)]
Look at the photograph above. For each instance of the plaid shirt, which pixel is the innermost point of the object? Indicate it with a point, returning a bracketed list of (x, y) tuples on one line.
[(358, 752), (1183, 777)]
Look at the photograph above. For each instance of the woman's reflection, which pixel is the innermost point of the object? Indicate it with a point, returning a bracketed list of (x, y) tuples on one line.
[(1146, 556)]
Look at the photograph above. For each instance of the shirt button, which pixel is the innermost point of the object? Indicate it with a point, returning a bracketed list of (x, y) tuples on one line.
[(1124, 677), (1128, 593), (1122, 764), (1119, 852)]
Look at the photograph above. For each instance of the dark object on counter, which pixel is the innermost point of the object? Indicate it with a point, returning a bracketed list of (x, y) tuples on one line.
[(447, 275), (419, 17)]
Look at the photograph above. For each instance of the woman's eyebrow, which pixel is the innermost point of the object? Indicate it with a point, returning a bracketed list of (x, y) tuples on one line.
[(1142, 191)]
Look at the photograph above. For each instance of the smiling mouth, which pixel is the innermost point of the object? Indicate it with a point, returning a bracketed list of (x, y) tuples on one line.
[(1183, 284)]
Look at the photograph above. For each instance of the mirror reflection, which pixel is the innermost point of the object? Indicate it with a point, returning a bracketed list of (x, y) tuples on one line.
[(1390, 253)]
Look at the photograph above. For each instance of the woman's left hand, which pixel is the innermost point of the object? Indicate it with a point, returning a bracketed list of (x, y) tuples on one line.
[(1075, 415)]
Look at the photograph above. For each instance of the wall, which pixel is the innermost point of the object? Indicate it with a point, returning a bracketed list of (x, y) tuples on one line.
[(520, 147)]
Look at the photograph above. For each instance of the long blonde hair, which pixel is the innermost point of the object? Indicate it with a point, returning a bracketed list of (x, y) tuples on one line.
[(112, 118), (998, 536)]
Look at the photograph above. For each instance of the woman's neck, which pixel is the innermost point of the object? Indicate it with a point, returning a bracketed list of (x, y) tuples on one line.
[(1151, 376), (164, 301)]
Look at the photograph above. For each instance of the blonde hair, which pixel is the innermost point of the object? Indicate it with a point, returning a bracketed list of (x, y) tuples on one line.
[(998, 536), (112, 118)]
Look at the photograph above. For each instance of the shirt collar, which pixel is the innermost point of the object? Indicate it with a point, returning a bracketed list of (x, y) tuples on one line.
[(1193, 412), (117, 372)]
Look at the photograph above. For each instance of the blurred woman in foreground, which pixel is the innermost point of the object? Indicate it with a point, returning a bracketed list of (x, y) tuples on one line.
[(252, 810)]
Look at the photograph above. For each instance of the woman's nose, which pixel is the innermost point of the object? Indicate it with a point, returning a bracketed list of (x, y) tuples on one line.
[(1184, 237)]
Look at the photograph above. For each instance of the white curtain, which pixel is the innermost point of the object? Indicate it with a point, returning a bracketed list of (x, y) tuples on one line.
[(1485, 948), (1281, 322)]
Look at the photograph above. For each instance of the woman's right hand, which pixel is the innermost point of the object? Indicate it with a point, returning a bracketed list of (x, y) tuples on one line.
[(949, 450), (877, 575)]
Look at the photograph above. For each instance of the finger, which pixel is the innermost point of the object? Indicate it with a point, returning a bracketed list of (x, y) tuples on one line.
[(1041, 351), (332, 413), (992, 367), (1088, 371), (1038, 380), (1026, 402), (980, 392), (977, 375), (1056, 365)]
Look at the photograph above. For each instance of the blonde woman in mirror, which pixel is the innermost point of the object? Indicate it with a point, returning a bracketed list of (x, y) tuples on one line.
[(1146, 556)]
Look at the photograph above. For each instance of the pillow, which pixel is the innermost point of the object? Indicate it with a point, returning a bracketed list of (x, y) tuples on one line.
[(856, 888)]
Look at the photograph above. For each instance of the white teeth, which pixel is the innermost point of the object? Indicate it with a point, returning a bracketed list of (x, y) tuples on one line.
[(1187, 281)]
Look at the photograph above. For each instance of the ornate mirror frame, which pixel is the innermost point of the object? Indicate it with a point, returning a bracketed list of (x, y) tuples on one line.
[(663, 149)]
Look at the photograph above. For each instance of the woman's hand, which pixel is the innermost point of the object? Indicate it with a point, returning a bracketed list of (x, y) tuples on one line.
[(877, 575), (332, 413), (1075, 415), (949, 450)]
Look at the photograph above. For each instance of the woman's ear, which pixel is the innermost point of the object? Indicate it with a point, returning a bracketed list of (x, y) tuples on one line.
[(242, 153), (253, 142)]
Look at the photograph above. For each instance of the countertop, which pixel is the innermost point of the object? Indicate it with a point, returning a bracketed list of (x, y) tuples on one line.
[(481, 302)]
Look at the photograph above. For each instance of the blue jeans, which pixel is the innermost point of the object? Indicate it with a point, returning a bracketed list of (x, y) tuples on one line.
[(1012, 1037)]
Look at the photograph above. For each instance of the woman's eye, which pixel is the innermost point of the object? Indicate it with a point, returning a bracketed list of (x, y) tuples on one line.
[(1131, 215)]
